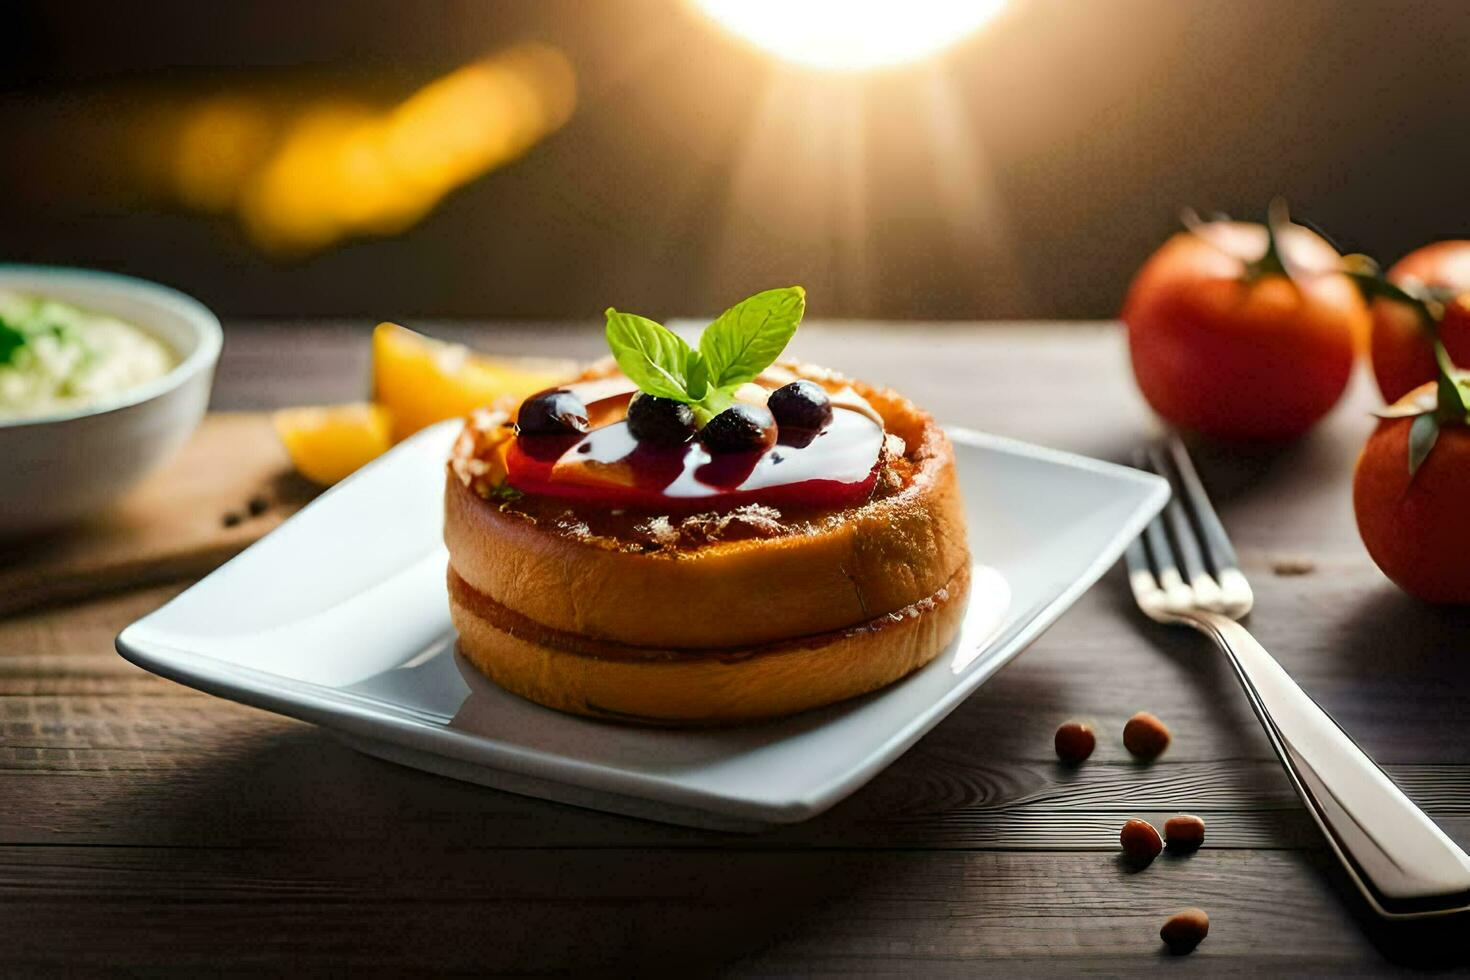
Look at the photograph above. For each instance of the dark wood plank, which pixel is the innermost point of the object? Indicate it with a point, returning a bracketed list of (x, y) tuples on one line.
[(202, 776), (540, 911)]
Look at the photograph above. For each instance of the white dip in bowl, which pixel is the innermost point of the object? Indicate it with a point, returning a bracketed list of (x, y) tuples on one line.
[(102, 378), (56, 357)]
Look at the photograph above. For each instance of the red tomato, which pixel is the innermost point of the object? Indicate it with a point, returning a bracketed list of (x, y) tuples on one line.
[(1233, 353), (1400, 348), (1417, 528)]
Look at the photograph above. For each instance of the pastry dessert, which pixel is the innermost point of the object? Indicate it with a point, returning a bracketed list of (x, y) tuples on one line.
[(701, 537)]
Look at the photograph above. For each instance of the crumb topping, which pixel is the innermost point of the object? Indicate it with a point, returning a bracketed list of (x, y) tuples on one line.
[(660, 530), (476, 458), (572, 526)]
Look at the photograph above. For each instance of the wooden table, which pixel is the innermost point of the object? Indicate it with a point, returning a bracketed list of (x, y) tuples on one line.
[(145, 825)]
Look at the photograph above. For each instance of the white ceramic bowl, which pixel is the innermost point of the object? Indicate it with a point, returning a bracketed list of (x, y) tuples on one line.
[(57, 468)]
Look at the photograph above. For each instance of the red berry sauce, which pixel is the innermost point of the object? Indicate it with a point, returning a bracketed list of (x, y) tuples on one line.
[(607, 466)]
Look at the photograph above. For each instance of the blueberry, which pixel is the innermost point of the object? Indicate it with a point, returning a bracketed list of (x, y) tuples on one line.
[(740, 428), (553, 412), (663, 421), (802, 407)]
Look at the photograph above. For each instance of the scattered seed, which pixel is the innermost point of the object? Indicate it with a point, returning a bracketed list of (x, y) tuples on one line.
[(232, 518), (1145, 736), (1185, 930), (1074, 742), (1185, 832), (258, 505), (1141, 842), (1293, 566)]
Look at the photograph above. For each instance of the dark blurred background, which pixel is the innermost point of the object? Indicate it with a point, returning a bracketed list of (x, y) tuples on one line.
[(378, 158)]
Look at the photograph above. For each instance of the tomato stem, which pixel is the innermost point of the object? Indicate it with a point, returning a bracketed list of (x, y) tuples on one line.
[(1273, 263), (1428, 304)]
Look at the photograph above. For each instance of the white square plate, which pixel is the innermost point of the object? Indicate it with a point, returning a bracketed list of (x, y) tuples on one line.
[(339, 617)]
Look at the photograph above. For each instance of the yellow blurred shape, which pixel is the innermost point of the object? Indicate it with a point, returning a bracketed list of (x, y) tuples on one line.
[(343, 169), (219, 145), (422, 381), (329, 443), (297, 201), (484, 114)]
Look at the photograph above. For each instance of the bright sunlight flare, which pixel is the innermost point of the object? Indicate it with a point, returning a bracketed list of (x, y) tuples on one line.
[(850, 35)]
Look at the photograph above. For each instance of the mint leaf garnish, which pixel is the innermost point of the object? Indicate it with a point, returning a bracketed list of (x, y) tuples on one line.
[(505, 493), (744, 341), (749, 336), (653, 357), (715, 401), (696, 376)]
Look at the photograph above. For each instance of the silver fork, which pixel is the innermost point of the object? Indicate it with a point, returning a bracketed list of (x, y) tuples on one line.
[(1183, 571)]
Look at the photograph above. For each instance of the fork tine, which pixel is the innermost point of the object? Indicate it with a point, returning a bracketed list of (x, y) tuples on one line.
[(1235, 590), (1136, 559), (1217, 542), (1156, 538), (1140, 573), (1146, 592), (1186, 542)]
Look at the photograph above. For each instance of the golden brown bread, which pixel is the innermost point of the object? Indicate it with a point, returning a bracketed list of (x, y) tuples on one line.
[(860, 563), (701, 687), (726, 630)]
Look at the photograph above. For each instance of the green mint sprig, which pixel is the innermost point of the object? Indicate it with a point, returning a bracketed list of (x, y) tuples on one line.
[(741, 343)]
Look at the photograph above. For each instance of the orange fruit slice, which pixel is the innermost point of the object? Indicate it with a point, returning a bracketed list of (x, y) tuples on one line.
[(422, 381), (330, 442)]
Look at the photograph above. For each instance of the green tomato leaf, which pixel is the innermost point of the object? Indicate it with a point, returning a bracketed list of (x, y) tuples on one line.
[(1422, 436), (749, 336), (1451, 399), (653, 357), (1372, 285), (1427, 302), (11, 341)]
